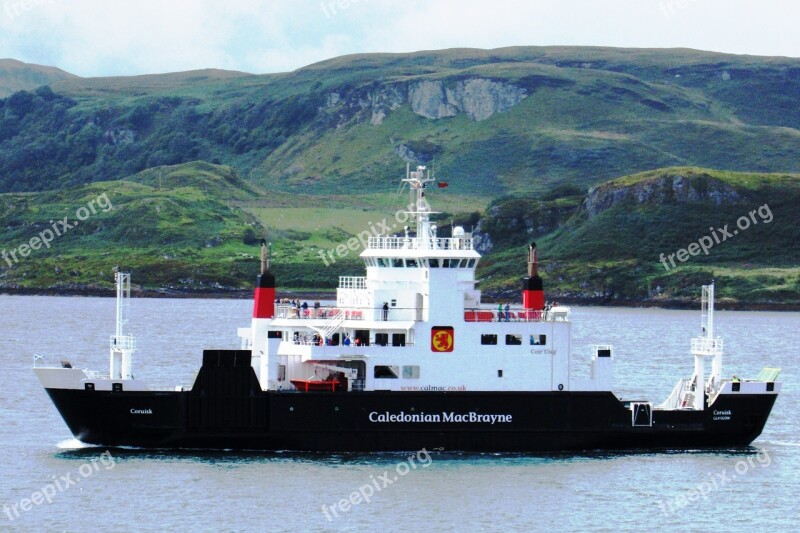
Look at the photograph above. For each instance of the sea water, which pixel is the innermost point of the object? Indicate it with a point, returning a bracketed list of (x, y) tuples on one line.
[(50, 482)]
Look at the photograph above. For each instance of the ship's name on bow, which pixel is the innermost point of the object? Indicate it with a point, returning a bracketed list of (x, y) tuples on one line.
[(447, 417)]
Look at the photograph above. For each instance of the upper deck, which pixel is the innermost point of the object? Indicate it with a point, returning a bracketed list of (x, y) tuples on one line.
[(418, 243)]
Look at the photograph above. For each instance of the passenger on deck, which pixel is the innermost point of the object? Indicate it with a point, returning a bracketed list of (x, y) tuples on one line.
[(347, 340), (386, 310)]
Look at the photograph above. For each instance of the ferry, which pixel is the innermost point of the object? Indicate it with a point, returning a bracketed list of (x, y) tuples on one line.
[(409, 358)]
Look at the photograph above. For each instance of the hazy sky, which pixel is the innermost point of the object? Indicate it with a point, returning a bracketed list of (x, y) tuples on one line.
[(110, 37)]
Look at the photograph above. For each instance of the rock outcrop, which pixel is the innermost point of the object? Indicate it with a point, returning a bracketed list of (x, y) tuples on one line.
[(478, 98), (677, 188)]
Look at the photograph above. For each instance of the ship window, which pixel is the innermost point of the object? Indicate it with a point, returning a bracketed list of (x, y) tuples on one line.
[(398, 339), (434, 263), (411, 263), (513, 339), (411, 372), (281, 372), (537, 340), (384, 262), (362, 337), (397, 263), (386, 372), (381, 339), (488, 338), (455, 263), (274, 334), (470, 263)]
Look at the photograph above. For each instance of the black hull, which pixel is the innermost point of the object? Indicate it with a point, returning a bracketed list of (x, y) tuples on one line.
[(226, 409), (539, 422)]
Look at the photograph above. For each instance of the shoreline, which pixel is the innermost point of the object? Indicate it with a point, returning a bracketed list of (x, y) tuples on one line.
[(243, 294)]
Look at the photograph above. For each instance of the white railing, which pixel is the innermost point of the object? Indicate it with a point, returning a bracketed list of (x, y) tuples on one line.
[(122, 342), (94, 374), (704, 346), (414, 243), (289, 311), (675, 397), (352, 282), (560, 314)]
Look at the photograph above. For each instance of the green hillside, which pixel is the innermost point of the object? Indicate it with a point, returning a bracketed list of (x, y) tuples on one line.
[(494, 122), (200, 165), (171, 234), (195, 228), (607, 245)]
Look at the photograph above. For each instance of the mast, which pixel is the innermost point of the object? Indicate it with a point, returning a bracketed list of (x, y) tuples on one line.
[(420, 210), (121, 346), (706, 346)]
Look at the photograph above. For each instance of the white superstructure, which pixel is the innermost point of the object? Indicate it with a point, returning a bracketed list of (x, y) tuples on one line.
[(415, 323)]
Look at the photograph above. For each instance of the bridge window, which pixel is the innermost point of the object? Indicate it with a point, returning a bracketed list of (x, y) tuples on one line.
[(513, 339), (384, 262), (411, 263), (411, 372), (397, 262), (386, 372), (381, 339), (538, 340), (488, 338), (434, 263)]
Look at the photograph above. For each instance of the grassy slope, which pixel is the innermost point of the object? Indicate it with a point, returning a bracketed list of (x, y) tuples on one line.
[(196, 226), (592, 114), (180, 230), (187, 227), (615, 255), (18, 76)]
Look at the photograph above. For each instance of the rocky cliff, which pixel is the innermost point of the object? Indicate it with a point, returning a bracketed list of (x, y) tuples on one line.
[(676, 188)]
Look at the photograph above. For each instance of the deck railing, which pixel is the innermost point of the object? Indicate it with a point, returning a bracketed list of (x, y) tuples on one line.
[(413, 243), (514, 315)]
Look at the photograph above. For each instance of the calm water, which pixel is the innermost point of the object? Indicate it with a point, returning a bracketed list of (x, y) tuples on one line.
[(137, 491)]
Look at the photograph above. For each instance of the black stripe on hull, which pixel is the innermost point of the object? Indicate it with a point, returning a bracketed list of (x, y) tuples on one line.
[(539, 421)]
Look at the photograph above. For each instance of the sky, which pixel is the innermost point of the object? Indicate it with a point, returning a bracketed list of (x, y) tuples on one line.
[(114, 37)]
